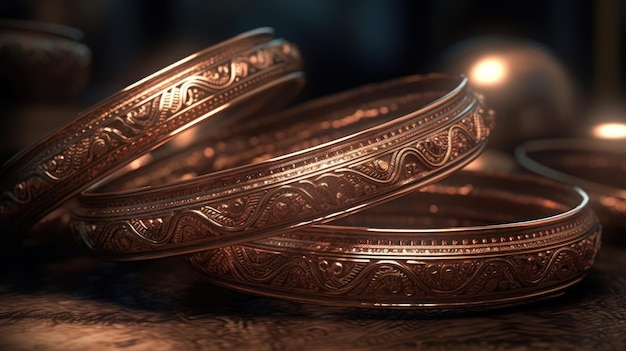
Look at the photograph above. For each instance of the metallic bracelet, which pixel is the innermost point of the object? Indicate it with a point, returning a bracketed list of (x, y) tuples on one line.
[(356, 149), (494, 239), (140, 118), (596, 165)]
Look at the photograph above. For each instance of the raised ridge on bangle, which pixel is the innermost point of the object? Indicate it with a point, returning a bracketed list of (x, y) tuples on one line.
[(361, 147), (469, 241)]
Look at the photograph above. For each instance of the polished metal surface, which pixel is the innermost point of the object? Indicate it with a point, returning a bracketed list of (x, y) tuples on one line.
[(375, 143), (138, 119), (469, 240)]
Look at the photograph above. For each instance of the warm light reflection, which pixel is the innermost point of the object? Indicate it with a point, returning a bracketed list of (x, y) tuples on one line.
[(488, 71), (185, 138), (610, 131), (139, 162), (492, 161)]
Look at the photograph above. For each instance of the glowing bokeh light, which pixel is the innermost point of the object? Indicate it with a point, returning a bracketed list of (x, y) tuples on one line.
[(488, 71), (610, 131)]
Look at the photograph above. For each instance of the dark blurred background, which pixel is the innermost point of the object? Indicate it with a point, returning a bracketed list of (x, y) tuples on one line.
[(566, 61)]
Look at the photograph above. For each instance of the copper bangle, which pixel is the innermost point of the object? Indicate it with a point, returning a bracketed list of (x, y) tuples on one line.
[(138, 119), (363, 146), (495, 239), (596, 165), (43, 60)]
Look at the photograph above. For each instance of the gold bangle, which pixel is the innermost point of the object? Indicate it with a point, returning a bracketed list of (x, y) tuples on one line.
[(498, 239), (598, 166), (138, 119), (387, 140)]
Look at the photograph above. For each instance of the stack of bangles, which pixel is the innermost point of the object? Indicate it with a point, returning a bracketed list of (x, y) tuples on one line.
[(355, 199)]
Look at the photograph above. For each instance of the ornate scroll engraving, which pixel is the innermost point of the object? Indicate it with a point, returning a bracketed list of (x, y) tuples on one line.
[(353, 279), (272, 207), (456, 267), (110, 135)]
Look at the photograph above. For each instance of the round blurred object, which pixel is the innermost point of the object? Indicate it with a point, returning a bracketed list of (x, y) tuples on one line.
[(42, 61), (531, 92)]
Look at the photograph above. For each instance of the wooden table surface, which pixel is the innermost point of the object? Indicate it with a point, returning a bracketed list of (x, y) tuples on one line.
[(57, 298)]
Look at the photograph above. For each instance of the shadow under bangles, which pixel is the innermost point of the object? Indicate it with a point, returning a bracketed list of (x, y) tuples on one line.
[(364, 146), (471, 240), (140, 118)]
